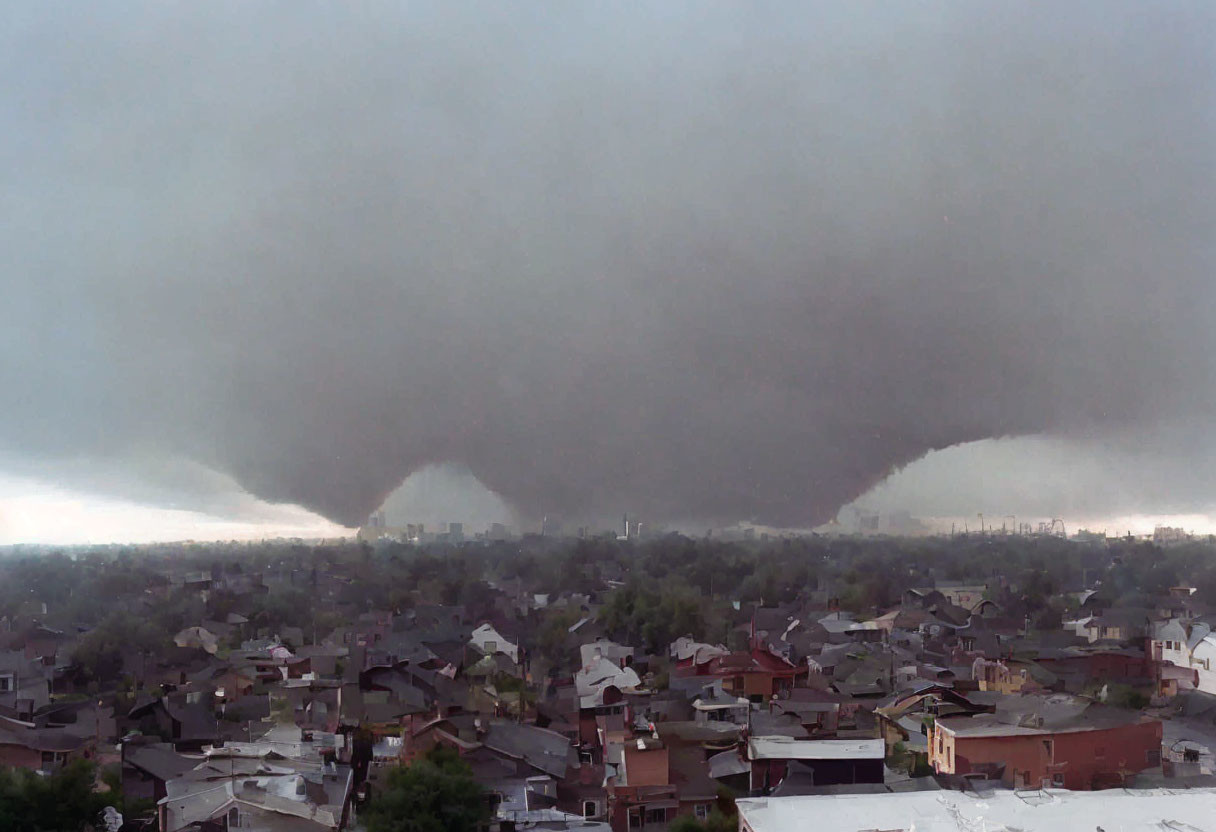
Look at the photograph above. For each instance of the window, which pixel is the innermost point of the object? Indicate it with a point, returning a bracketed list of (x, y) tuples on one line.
[(590, 808), (656, 816), (234, 818), (702, 811), (6, 682), (1057, 780)]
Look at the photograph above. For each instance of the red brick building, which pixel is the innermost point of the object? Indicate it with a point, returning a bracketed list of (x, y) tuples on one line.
[(1057, 742), (757, 674), (653, 784)]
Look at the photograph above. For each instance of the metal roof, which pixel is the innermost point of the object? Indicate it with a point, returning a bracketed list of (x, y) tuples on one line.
[(787, 748)]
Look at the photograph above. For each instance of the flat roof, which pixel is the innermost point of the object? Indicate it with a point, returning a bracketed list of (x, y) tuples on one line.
[(788, 748), (993, 725), (1052, 810)]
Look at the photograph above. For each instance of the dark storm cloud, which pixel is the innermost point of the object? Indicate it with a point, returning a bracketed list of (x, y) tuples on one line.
[(699, 261)]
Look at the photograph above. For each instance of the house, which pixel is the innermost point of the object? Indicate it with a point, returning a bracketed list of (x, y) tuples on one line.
[(526, 770), (602, 689), (25, 745), (651, 782), (24, 683), (756, 674), (253, 785), (714, 705), (1188, 645), (1080, 666), (962, 594), (689, 653), (1115, 624), (1010, 676), (830, 762), (821, 713), (619, 654), (906, 719), (538, 750), (188, 725), (197, 637), (1053, 740), (921, 598), (489, 641), (148, 765), (42, 642)]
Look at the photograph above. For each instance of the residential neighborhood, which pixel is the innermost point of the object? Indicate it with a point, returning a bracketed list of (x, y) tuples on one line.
[(607, 685)]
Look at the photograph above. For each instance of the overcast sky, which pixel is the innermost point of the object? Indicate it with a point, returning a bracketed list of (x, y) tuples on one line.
[(696, 261)]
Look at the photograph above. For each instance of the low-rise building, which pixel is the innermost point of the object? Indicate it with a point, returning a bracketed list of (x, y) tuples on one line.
[(1047, 811), (830, 762), (1190, 645), (489, 641), (260, 785), (1039, 741)]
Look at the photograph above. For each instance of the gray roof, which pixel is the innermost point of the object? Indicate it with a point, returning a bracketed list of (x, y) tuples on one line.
[(159, 760), (540, 748), (13, 732), (1031, 714)]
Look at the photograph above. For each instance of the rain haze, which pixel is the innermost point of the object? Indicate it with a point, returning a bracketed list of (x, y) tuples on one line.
[(701, 262)]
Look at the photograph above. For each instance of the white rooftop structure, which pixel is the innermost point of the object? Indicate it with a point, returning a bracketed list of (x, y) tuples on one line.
[(489, 641), (788, 748), (596, 677), (685, 648), (604, 648), (1053, 810)]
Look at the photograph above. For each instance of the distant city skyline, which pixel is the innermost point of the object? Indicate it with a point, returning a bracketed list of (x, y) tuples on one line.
[(38, 512)]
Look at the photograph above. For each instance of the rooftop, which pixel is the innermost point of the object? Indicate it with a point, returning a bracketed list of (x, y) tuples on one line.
[(1036, 714), (1055, 810), (787, 748)]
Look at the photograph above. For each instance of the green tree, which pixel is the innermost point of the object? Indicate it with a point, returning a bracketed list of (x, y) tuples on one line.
[(98, 655), (62, 802), (435, 794), (716, 822)]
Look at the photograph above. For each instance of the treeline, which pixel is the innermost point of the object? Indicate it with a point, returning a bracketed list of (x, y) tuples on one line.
[(647, 592)]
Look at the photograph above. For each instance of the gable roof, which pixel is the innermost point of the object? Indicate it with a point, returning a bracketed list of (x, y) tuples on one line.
[(159, 760)]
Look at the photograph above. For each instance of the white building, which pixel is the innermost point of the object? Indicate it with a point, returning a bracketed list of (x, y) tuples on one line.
[(600, 674), (1052, 810), (489, 641), (1191, 645)]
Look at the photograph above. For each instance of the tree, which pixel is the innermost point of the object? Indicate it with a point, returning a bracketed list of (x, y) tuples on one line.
[(434, 794), (62, 802), (99, 654), (716, 822)]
